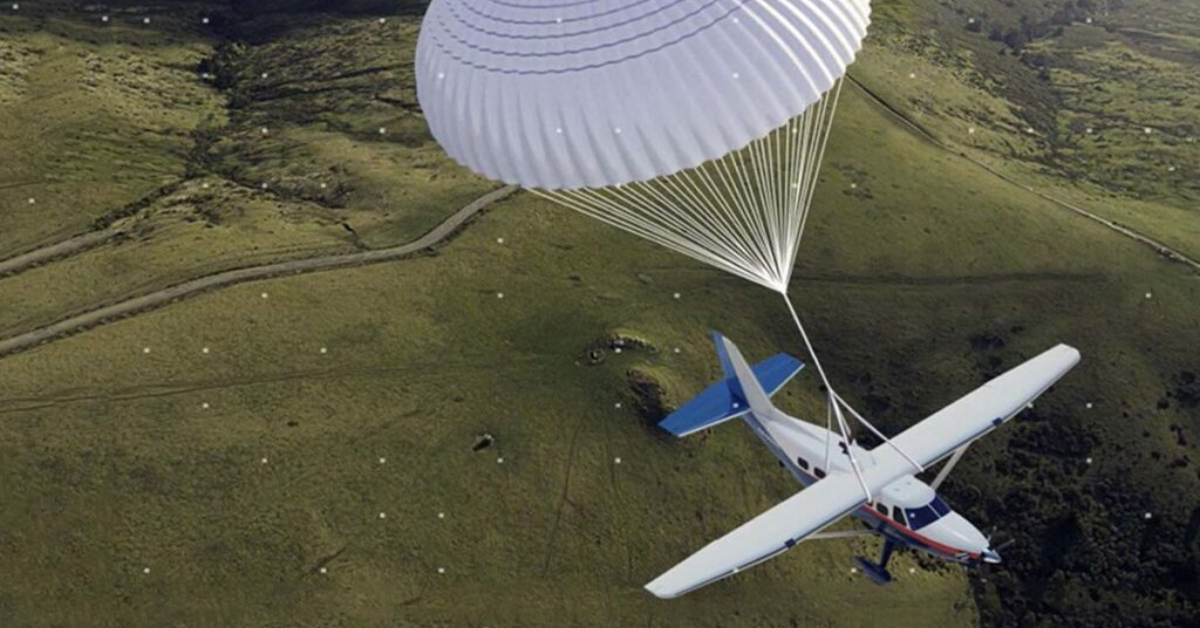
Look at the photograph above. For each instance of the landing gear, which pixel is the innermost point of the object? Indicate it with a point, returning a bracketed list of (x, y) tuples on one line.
[(877, 572)]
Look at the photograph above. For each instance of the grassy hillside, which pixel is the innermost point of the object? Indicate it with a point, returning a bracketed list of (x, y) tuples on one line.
[(1101, 95), (232, 150), (102, 117), (227, 460)]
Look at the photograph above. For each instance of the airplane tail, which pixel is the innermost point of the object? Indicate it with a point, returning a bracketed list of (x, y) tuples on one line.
[(744, 389)]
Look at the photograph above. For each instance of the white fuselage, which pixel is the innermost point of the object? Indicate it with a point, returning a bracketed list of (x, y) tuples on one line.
[(907, 511)]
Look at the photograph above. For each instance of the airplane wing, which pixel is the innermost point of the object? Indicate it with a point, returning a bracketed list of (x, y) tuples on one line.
[(980, 412), (771, 533)]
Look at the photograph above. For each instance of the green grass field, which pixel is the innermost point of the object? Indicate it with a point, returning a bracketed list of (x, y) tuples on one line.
[(367, 390)]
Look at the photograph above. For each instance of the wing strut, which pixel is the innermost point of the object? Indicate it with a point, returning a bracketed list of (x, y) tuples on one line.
[(839, 534), (941, 476)]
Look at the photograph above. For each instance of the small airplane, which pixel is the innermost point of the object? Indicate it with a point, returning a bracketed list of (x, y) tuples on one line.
[(883, 492)]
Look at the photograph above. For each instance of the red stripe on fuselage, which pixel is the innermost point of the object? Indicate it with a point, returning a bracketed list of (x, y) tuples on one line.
[(953, 552)]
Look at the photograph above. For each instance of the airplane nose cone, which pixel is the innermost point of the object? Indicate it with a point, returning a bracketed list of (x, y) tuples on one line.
[(956, 532), (990, 556)]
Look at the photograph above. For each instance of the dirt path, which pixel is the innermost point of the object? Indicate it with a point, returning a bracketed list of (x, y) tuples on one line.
[(1159, 247), (159, 298), (64, 248)]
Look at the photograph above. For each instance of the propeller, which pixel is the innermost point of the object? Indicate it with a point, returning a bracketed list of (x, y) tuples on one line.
[(985, 567)]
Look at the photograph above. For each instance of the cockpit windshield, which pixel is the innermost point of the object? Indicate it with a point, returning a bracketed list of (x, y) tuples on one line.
[(920, 517)]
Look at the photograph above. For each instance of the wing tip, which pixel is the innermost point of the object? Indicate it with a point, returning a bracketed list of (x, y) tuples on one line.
[(1071, 353), (660, 591)]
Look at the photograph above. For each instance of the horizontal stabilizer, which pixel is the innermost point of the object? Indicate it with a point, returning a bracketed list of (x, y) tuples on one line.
[(723, 400)]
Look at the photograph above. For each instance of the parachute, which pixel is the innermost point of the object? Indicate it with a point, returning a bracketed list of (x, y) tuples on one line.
[(697, 124)]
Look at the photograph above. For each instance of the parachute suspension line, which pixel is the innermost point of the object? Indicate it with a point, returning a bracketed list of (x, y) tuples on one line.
[(834, 407), (743, 213), (916, 465), (837, 96)]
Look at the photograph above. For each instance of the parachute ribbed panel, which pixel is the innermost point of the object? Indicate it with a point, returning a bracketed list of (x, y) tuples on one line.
[(566, 94)]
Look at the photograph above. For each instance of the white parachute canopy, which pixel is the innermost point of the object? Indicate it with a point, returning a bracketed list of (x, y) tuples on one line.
[(698, 124)]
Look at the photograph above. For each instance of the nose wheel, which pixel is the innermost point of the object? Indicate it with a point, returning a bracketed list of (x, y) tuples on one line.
[(877, 572)]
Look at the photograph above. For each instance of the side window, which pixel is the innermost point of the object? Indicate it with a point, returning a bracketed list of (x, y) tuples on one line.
[(818, 472), (803, 463), (898, 516), (883, 510)]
